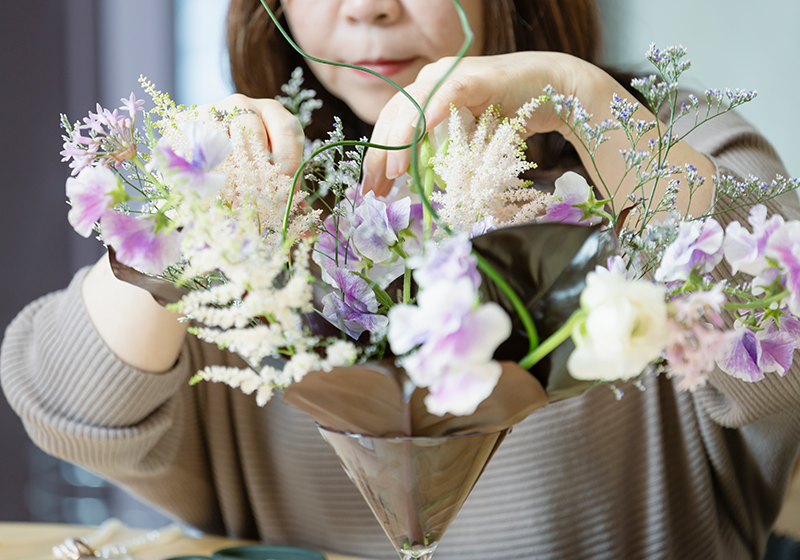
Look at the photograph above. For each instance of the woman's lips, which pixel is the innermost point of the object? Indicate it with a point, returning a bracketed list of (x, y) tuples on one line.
[(384, 66)]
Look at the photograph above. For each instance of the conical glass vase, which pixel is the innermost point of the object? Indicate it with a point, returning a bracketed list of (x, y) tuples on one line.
[(415, 486)]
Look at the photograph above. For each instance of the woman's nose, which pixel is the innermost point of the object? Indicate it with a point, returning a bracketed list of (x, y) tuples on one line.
[(372, 12)]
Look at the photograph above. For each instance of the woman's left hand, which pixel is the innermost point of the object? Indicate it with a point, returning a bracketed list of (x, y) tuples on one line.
[(511, 80), (508, 80)]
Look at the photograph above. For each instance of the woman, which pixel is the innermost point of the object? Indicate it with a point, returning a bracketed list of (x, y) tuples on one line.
[(98, 372)]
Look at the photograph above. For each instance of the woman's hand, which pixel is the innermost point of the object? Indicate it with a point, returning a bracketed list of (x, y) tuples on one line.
[(510, 80), (267, 122)]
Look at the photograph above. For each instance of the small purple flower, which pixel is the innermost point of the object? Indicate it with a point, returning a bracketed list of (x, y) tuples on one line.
[(784, 247), (132, 105), (698, 248), (571, 190), (450, 260), (616, 265), (746, 251), (484, 225), (354, 308), (192, 171), (137, 244), (110, 139), (750, 355), (376, 225), (89, 195)]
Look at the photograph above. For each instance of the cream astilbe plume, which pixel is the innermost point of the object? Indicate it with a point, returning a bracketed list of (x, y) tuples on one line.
[(263, 284), (481, 172)]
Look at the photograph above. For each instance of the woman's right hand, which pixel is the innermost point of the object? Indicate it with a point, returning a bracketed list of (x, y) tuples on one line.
[(267, 122)]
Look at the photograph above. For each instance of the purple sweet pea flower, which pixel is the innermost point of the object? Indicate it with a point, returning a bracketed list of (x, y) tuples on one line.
[(750, 355), (698, 247), (353, 309), (784, 247), (207, 149), (571, 190), (790, 325), (777, 349), (89, 195), (439, 312), (458, 368), (461, 390), (137, 244), (413, 235), (746, 251), (376, 225), (450, 260)]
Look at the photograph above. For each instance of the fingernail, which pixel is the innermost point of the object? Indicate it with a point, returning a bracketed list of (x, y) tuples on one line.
[(392, 167), (368, 181)]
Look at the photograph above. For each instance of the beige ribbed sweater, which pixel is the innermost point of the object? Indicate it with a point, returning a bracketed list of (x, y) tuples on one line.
[(658, 474)]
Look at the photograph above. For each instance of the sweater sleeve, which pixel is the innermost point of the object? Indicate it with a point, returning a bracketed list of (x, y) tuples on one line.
[(737, 149), (80, 403)]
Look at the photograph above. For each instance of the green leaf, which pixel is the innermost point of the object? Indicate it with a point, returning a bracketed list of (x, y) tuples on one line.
[(162, 221)]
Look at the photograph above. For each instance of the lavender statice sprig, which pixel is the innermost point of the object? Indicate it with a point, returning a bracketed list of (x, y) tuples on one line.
[(300, 102), (748, 192), (572, 113)]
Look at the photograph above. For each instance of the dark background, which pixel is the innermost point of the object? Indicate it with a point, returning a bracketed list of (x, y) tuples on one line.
[(60, 57)]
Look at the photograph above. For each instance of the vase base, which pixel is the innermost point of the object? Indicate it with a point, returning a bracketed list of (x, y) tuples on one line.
[(417, 553)]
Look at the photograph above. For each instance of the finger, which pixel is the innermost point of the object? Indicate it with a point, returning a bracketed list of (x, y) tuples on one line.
[(285, 135), (375, 159), (269, 126), (467, 91), (394, 127), (246, 126), (461, 91)]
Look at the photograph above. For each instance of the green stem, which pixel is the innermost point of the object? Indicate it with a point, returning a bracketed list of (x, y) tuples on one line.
[(156, 183), (763, 303), (519, 307), (407, 286), (553, 341), (427, 220)]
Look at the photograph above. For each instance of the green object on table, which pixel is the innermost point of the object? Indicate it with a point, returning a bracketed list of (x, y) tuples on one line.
[(260, 552)]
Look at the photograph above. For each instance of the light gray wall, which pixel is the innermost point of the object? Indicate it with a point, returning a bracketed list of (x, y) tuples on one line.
[(732, 43), (202, 69)]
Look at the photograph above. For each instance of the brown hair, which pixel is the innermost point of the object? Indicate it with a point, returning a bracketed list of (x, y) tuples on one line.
[(262, 60)]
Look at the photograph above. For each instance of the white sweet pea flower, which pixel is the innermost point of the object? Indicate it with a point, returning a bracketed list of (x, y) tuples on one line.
[(625, 328)]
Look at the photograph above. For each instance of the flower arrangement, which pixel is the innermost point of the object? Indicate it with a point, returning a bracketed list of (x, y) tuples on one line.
[(297, 280)]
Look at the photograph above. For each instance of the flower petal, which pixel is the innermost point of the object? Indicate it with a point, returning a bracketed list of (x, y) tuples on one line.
[(89, 196), (137, 244)]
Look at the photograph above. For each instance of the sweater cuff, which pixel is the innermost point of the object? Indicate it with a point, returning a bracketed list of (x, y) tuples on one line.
[(73, 374)]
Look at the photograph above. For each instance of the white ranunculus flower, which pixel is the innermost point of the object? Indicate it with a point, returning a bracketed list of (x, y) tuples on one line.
[(625, 329)]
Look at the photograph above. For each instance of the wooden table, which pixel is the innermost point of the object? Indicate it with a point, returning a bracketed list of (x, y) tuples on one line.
[(34, 541)]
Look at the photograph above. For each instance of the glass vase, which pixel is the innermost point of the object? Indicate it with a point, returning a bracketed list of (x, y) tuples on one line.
[(414, 486)]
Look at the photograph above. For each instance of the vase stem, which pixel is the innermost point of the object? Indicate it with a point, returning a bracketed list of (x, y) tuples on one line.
[(417, 554)]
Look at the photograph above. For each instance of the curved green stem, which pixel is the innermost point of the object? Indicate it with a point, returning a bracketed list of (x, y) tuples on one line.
[(553, 341), (419, 134), (519, 307), (758, 304)]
